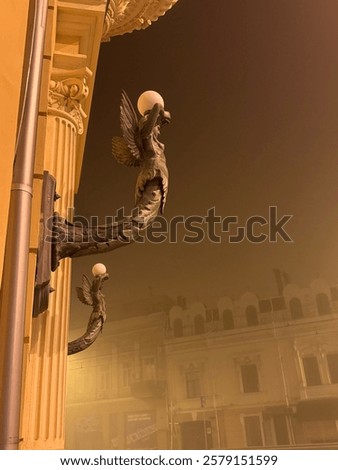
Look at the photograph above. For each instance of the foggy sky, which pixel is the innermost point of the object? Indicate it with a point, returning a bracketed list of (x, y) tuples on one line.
[(252, 86)]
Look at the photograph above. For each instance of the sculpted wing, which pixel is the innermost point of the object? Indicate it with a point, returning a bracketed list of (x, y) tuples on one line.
[(127, 150), (122, 152), (84, 293)]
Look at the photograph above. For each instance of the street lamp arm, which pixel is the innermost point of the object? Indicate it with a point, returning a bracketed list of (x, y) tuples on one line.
[(72, 240)]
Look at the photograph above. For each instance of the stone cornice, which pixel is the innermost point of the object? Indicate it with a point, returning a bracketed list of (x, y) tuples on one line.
[(125, 16)]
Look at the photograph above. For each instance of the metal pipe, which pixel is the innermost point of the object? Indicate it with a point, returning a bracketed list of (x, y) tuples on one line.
[(15, 272)]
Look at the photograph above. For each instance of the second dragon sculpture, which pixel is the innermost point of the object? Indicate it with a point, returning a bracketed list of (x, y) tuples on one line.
[(91, 294)]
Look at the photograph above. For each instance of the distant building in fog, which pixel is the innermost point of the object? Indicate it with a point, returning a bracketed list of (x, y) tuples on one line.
[(253, 372), (117, 388)]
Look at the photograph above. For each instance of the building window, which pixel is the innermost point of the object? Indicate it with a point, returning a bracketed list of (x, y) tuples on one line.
[(281, 429), (193, 382), (83, 378), (253, 431), (323, 304), (228, 320), (250, 379), (251, 315), (321, 431), (311, 371), (296, 308), (148, 368), (199, 325), (103, 382), (332, 362), (178, 328), (127, 371)]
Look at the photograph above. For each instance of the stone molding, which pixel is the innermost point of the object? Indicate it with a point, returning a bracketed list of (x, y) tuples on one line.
[(125, 16)]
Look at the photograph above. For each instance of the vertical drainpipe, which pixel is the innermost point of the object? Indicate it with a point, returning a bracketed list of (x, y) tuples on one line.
[(15, 271)]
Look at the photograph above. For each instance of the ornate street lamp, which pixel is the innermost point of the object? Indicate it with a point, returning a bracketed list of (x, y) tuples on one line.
[(139, 146)]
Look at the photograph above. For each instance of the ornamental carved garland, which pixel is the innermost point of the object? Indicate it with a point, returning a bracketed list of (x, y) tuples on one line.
[(125, 16), (66, 96)]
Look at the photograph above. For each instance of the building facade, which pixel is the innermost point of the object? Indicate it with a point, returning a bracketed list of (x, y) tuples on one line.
[(116, 393), (251, 373), (73, 33)]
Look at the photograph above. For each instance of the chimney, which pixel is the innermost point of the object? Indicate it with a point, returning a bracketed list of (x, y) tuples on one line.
[(286, 279), (279, 280)]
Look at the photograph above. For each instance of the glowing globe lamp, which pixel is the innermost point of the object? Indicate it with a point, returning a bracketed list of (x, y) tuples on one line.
[(99, 269), (147, 100)]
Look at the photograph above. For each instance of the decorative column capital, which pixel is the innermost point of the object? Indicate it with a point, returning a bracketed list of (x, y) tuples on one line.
[(125, 16), (65, 98)]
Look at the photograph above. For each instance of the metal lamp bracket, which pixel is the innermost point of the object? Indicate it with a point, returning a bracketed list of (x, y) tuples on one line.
[(42, 287)]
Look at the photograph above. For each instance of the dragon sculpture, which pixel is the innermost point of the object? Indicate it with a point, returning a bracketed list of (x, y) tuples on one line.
[(139, 146)]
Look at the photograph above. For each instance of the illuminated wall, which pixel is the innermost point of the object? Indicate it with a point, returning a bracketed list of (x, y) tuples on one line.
[(74, 33)]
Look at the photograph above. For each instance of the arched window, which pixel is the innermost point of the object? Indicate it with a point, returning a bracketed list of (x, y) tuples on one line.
[(178, 328), (199, 325), (228, 320), (296, 308), (251, 315), (323, 304)]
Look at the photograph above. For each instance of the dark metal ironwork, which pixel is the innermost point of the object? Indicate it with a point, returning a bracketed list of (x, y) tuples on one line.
[(90, 294), (42, 287)]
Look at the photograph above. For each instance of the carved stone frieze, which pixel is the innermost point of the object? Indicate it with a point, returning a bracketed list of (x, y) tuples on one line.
[(125, 16), (66, 96)]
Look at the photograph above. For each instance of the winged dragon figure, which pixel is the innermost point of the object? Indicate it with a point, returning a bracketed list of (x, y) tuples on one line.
[(138, 146)]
